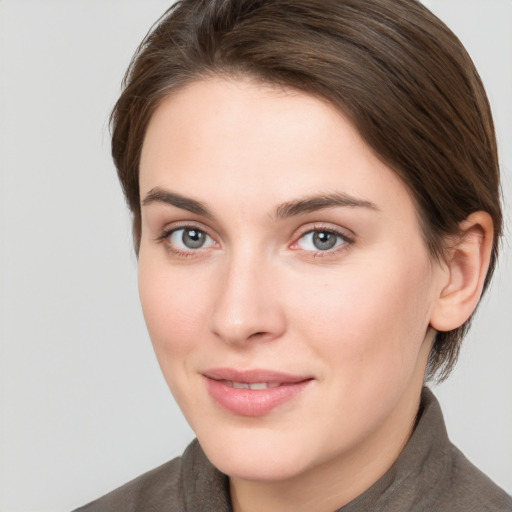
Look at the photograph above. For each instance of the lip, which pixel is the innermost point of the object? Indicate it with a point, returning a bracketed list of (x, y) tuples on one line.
[(253, 402)]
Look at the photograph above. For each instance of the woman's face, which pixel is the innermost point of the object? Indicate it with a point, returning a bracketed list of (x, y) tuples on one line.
[(284, 280)]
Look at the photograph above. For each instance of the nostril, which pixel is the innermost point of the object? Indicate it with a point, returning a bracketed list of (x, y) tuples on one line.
[(257, 334)]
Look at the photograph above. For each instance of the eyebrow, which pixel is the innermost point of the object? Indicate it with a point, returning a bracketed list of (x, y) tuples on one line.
[(293, 208), (158, 195), (313, 203)]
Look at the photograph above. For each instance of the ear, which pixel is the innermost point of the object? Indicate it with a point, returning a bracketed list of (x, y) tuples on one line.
[(465, 271)]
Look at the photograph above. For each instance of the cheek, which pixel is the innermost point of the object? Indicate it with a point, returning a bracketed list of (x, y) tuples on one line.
[(175, 312), (173, 306), (369, 316)]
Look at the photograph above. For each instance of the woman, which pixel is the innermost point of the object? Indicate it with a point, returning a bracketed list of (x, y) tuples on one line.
[(315, 198)]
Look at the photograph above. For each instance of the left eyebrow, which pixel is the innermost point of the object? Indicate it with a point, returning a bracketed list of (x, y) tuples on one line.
[(310, 204)]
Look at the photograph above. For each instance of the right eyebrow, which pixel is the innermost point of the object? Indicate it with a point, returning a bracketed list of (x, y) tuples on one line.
[(159, 195)]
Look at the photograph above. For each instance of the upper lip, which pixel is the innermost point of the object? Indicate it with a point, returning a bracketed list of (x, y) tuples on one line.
[(253, 376)]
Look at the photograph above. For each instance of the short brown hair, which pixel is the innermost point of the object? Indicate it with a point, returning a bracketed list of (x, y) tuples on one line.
[(393, 68)]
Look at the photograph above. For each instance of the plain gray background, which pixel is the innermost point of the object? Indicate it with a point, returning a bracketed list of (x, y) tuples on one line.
[(83, 407)]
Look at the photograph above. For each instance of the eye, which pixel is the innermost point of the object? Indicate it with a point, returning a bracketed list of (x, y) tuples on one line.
[(186, 239), (321, 240)]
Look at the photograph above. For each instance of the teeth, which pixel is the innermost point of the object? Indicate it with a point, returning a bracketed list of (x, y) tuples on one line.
[(258, 385), (240, 385), (254, 385)]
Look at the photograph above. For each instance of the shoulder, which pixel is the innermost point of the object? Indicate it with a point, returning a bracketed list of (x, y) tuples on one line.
[(459, 485), (455, 483), (471, 489), (431, 474), (189, 482), (156, 490)]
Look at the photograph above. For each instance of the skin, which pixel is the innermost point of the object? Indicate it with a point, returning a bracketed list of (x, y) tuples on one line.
[(357, 319)]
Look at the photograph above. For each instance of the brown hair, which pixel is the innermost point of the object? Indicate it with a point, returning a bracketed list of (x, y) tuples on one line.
[(398, 73)]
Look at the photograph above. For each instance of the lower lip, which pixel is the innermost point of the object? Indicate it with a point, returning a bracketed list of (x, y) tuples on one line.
[(253, 402)]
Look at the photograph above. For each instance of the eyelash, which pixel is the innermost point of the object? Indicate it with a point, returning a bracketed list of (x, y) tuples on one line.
[(166, 234), (346, 241)]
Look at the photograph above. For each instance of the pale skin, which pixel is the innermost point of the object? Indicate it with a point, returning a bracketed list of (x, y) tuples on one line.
[(261, 173)]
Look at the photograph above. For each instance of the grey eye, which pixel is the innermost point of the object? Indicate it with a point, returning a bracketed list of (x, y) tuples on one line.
[(190, 238), (193, 238), (323, 240), (319, 240)]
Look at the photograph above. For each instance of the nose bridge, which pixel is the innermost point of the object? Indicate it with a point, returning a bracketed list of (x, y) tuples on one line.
[(247, 305)]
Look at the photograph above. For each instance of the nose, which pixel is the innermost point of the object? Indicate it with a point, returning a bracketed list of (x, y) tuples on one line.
[(247, 305)]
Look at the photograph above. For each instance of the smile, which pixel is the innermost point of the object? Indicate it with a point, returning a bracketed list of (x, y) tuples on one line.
[(252, 392)]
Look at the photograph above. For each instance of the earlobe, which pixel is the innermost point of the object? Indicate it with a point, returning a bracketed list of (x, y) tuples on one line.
[(466, 269)]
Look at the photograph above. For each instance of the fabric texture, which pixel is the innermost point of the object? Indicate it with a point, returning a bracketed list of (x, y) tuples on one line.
[(430, 475)]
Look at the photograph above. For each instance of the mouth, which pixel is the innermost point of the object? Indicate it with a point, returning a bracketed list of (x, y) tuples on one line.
[(253, 392)]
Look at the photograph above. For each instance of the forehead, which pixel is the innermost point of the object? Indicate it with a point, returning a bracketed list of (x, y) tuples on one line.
[(231, 116), (241, 141)]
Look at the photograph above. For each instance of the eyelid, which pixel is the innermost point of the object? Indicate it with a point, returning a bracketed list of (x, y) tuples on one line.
[(342, 233), (171, 228), (207, 240), (191, 224)]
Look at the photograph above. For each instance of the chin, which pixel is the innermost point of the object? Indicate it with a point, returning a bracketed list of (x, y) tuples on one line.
[(260, 456), (262, 469)]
